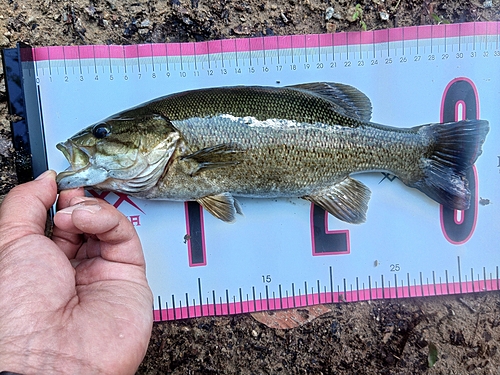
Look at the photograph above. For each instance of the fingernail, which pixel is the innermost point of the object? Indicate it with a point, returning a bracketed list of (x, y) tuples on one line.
[(92, 208), (67, 210), (76, 189), (78, 200), (44, 175)]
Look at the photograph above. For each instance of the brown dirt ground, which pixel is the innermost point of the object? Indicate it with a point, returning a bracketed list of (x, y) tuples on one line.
[(377, 337)]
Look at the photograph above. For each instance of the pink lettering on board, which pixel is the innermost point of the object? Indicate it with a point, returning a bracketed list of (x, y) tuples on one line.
[(135, 220)]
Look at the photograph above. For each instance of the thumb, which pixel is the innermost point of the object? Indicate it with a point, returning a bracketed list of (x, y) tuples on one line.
[(24, 209)]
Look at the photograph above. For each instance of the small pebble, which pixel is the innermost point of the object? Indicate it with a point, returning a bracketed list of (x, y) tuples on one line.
[(384, 16), (338, 16), (5, 147), (187, 20), (488, 4), (331, 27), (112, 4), (4, 41), (484, 201), (329, 13)]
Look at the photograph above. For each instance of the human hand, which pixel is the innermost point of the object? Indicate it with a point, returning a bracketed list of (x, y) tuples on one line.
[(78, 303)]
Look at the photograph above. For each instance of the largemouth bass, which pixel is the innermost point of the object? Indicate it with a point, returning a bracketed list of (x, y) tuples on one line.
[(305, 141)]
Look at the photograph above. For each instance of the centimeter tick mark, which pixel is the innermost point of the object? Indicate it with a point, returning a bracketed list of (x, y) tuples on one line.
[(152, 58), (305, 292), (403, 42), (159, 305), (459, 273), (281, 296), (138, 59), (80, 61), (388, 44), (254, 299), (382, 281), (267, 297), (319, 292)]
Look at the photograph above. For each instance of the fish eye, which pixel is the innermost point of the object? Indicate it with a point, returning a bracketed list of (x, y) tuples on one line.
[(101, 130)]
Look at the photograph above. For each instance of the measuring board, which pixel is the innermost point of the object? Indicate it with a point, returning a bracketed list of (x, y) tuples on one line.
[(286, 252)]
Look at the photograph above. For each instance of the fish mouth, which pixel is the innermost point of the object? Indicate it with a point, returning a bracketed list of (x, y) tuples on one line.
[(78, 158)]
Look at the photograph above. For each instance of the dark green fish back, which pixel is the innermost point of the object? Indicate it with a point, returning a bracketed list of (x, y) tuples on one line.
[(292, 103)]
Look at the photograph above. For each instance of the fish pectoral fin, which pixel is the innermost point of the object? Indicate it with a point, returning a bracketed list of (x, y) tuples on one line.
[(346, 200), (346, 99), (223, 206), (223, 155)]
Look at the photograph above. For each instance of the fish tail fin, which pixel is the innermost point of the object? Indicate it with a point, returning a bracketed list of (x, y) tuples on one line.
[(453, 150)]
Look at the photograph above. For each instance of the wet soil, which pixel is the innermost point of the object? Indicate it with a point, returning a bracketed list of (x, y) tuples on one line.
[(376, 337)]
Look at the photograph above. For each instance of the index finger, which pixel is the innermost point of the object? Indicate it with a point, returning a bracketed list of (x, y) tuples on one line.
[(118, 240), (65, 197), (68, 242)]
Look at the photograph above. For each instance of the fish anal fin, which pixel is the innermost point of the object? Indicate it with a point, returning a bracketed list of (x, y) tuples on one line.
[(223, 206), (347, 100), (222, 155), (347, 200)]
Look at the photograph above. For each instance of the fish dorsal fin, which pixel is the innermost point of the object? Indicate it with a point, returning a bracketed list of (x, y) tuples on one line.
[(348, 100), (346, 200), (223, 206)]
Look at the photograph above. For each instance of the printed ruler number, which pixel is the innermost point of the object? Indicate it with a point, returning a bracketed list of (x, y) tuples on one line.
[(458, 226), (324, 241), (395, 267), (195, 237)]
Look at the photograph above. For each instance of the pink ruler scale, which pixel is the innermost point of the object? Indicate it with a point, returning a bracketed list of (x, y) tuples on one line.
[(263, 304), (324, 57), (265, 43)]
